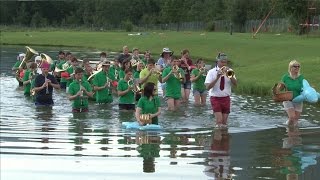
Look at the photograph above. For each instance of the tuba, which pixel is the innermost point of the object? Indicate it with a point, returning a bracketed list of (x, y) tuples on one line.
[(227, 71), (177, 74), (29, 54), (45, 58)]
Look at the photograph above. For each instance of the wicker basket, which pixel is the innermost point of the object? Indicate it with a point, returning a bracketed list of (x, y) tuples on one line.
[(280, 93), (146, 118)]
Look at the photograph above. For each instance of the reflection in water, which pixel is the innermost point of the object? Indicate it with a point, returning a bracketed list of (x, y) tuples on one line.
[(218, 161), (148, 148), (44, 115)]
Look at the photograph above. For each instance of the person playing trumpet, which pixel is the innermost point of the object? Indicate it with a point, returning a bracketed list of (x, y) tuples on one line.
[(125, 89), (79, 91), (148, 105), (219, 86), (198, 76), (173, 76), (150, 74), (29, 77)]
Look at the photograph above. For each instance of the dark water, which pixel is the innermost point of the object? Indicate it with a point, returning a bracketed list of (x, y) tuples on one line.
[(42, 143)]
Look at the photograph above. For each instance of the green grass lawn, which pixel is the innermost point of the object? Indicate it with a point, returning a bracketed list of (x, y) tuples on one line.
[(258, 63)]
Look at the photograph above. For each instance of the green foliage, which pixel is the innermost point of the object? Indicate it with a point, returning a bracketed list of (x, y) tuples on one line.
[(128, 26), (210, 26)]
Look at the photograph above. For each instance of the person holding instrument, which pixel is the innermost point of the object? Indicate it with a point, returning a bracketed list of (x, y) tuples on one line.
[(43, 86), (126, 89), (219, 81), (148, 104), (79, 91)]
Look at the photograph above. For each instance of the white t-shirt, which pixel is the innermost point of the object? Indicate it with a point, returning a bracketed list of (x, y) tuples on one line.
[(215, 90)]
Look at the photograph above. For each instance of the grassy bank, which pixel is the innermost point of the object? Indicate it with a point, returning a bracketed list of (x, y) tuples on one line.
[(258, 63)]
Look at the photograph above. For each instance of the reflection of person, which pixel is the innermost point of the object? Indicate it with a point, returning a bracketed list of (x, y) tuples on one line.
[(149, 148), (293, 81), (219, 157), (44, 116), (219, 86), (43, 86), (79, 91), (149, 103)]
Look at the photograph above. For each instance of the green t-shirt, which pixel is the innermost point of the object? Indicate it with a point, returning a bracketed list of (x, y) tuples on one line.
[(294, 85), (70, 70), (136, 75), (115, 72), (27, 87), (127, 98), (149, 106), (17, 64), (153, 78), (74, 89), (121, 74), (62, 62), (173, 84), (199, 83), (104, 95)]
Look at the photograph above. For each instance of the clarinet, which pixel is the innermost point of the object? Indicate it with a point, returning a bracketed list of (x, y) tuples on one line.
[(81, 95)]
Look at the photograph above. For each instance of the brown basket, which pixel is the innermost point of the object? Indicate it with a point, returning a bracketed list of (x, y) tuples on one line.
[(280, 93), (145, 118)]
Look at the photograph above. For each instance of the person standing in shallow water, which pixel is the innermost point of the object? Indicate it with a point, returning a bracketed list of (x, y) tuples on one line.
[(219, 86), (293, 82)]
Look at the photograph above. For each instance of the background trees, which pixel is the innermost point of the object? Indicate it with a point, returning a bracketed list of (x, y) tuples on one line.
[(116, 13)]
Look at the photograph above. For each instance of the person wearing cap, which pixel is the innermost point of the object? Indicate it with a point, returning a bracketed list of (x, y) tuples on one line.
[(173, 78), (149, 74), (79, 91), (187, 66), (43, 86), (38, 61), (219, 87), (124, 55), (102, 84), (164, 61), (29, 77), (18, 69)]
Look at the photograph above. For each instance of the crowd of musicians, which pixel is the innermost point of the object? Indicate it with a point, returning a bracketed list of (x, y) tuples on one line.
[(132, 77)]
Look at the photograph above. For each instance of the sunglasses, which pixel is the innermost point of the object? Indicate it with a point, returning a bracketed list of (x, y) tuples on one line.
[(296, 66)]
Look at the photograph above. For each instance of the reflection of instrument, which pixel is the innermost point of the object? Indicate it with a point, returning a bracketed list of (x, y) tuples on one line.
[(177, 73), (133, 84), (29, 54), (227, 71), (145, 118)]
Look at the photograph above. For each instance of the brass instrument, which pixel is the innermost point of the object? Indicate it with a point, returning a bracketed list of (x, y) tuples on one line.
[(227, 71), (29, 54), (203, 70), (93, 74), (177, 73), (135, 61), (81, 95), (145, 118), (32, 76), (46, 58), (133, 84), (65, 66)]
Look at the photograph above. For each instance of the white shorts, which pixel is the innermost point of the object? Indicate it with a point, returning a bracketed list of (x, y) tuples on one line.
[(296, 106)]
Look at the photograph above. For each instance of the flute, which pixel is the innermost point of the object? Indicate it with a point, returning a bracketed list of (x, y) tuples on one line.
[(81, 95)]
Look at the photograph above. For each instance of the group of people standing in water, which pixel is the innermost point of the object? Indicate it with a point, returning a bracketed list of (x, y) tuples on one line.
[(134, 79)]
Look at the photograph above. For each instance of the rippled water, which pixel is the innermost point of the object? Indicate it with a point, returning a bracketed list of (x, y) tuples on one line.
[(42, 143)]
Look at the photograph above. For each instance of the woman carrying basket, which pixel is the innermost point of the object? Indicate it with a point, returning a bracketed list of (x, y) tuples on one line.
[(293, 82)]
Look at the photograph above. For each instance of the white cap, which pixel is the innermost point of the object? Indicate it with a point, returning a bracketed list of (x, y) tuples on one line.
[(37, 58), (21, 56)]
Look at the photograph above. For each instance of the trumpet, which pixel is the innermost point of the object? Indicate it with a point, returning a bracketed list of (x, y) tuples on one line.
[(177, 73), (156, 71), (227, 71), (203, 70), (145, 118), (132, 84)]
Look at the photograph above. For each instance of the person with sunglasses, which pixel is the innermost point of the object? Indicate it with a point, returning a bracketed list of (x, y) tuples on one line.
[(293, 82)]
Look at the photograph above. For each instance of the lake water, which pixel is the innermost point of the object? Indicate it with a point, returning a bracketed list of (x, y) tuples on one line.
[(53, 143)]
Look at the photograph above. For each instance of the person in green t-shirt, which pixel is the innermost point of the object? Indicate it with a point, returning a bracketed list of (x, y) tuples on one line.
[(29, 77), (198, 78), (173, 76), (102, 84), (150, 74), (293, 82), (148, 104), (79, 91), (125, 91), (136, 76)]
